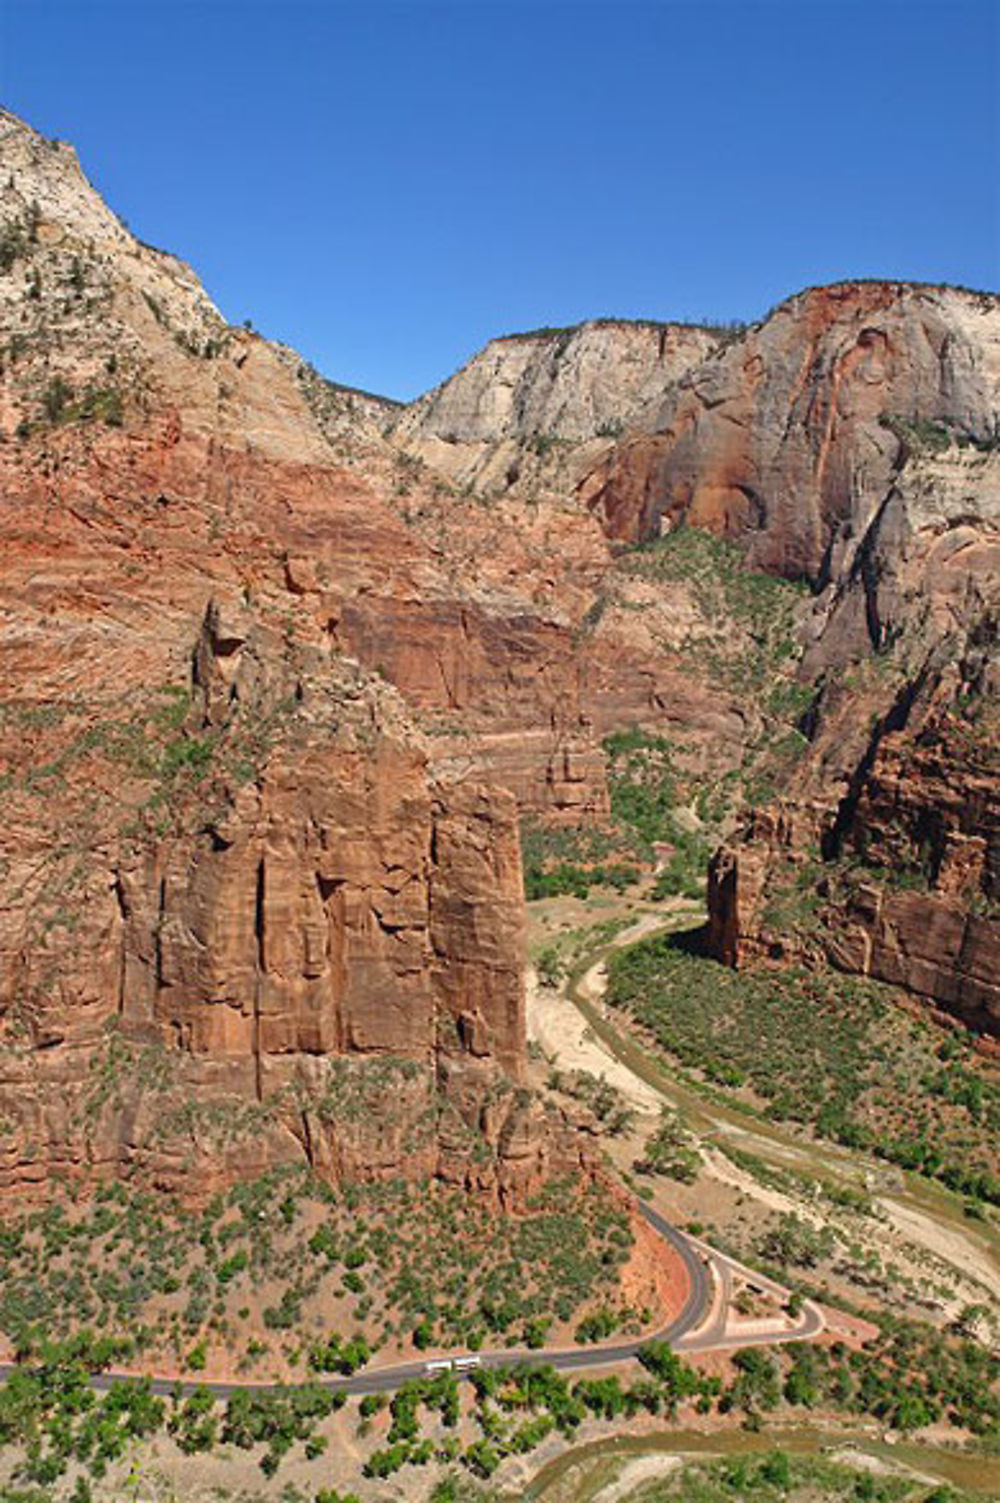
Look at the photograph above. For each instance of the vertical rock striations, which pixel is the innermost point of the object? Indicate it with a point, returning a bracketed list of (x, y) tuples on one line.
[(281, 664), (791, 435), (243, 918)]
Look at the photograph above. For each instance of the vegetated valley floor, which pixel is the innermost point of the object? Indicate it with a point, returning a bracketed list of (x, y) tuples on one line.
[(815, 1217), (838, 1053), (283, 1276)]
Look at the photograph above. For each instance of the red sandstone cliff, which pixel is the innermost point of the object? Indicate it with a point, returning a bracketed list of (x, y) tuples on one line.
[(242, 917), (853, 439), (275, 690)]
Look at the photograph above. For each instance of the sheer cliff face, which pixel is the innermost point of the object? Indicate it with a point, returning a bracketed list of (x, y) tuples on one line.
[(787, 438), (900, 878), (882, 485), (535, 411), (274, 689), (243, 918)]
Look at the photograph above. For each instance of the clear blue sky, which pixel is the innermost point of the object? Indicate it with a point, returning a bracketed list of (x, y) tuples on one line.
[(385, 186)]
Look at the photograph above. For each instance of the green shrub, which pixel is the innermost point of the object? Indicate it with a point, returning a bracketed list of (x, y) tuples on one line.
[(873, 1081)]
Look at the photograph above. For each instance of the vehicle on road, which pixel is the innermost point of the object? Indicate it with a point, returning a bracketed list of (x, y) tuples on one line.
[(452, 1364)]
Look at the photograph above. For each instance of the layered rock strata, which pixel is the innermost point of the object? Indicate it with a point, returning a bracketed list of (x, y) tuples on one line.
[(242, 916), (891, 819), (533, 412), (281, 664), (790, 436)]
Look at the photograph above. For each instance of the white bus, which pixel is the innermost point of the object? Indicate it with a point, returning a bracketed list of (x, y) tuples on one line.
[(451, 1364)]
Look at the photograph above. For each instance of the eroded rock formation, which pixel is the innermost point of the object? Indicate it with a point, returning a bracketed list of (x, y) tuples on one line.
[(190, 980), (243, 917), (901, 879), (281, 664), (534, 411), (893, 807), (791, 435)]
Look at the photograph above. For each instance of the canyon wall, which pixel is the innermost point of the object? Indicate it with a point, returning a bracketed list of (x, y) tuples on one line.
[(244, 919), (532, 412), (789, 437), (896, 520), (282, 664)]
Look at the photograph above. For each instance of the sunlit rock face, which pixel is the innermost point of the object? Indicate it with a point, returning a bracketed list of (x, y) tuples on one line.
[(790, 436), (282, 664), (243, 919), (898, 788)]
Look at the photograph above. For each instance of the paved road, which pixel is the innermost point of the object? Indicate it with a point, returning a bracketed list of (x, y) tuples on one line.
[(381, 1380), (699, 1326), (714, 1334)]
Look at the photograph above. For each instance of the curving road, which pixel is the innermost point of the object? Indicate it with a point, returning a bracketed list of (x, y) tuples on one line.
[(380, 1380), (716, 1334), (700, 1326)]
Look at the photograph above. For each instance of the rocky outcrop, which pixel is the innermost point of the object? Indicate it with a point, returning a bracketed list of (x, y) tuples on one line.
[(198, 990), (790, 436), (350, 419), (533, 411), (530, 699), (901, 879), (919, 903), (243, 917)]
